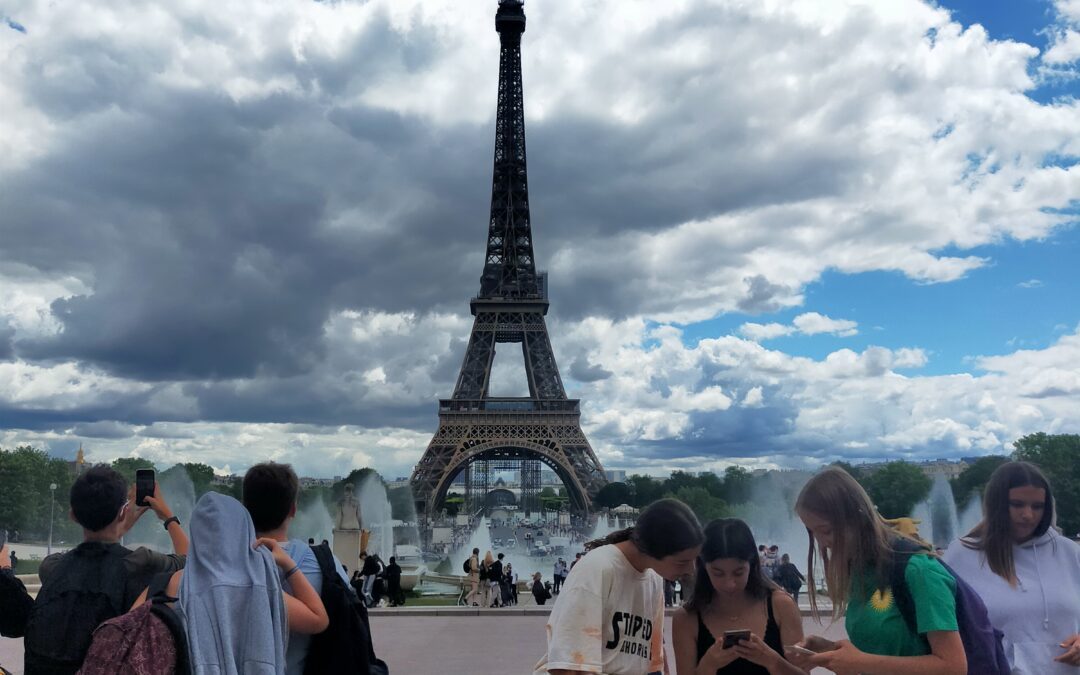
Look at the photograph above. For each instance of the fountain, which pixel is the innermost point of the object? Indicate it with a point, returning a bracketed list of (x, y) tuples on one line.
[(940, 523), (971, 515), (313, 521), (179, 493)]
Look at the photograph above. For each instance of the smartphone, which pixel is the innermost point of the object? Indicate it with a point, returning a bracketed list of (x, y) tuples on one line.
[(799, 650), (144, 486), (818, 644), (734, 637)]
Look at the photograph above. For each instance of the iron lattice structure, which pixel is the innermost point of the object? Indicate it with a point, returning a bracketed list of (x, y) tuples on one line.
[(544, 427)]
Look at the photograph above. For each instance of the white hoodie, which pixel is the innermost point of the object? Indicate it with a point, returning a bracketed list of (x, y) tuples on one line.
[(1041, 611)]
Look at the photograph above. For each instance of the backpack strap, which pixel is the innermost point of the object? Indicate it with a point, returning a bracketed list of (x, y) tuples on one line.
[(903, 549)]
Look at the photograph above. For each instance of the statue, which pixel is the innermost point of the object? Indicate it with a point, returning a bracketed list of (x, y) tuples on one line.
[(348, 516)]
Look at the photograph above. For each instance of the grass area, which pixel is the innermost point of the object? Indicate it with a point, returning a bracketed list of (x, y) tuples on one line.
[(27, 567)]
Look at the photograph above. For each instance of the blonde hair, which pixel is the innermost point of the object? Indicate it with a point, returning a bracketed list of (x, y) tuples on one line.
[(860, 543)]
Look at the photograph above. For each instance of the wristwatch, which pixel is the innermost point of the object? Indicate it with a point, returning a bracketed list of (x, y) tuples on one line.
[(170, 519)]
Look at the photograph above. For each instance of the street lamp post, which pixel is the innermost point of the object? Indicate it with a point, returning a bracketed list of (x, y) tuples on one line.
[(52, 509)]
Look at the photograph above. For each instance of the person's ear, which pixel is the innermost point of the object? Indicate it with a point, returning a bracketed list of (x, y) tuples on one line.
[(71, 516)]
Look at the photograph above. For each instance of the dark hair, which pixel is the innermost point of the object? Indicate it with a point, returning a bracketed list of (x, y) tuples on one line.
[(993, 535), (728, 538), (500, 556), (311, 541), (97, 497), (270, 492), (476, 551), (664, 527)]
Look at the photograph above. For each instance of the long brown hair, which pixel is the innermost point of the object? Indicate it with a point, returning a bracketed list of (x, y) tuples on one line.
[(861, 539), (993, 534)]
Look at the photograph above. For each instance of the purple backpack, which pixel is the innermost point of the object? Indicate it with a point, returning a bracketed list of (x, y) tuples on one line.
[(982, 642), (148, 640)]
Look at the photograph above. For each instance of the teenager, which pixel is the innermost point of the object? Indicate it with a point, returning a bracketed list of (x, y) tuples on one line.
[(856, 548), (236, 615), (1027, 574), (731, 592), (73, 584), (270, 491), (609, 617)]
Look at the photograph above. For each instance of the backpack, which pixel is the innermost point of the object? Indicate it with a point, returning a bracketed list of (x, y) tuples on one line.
[(344, 648), (466, 566), (148, 640), (85, 589), (982, 642), (483, 571)]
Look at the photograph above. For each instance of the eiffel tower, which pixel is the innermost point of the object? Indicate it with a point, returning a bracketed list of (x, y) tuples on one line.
[(479, 433)]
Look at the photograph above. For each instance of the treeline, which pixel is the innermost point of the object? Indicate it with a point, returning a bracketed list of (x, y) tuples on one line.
[(26, 474), (895, 487)]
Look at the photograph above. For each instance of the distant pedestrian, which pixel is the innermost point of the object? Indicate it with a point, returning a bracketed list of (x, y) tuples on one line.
[(789, 577), (474, 579), (495, 578), (539, 591), (14, 561), (392, 574), (559, 575)]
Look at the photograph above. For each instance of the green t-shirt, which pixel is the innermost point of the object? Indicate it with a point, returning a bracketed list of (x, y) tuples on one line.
[(874, 623)]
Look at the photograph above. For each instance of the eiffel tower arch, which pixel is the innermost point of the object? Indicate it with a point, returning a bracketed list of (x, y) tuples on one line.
[(476, 429)]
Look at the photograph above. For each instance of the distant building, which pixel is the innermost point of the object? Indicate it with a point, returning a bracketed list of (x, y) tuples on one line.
[(948, 468), (398, 483), (615, 475), (226, 480), (308, 482)]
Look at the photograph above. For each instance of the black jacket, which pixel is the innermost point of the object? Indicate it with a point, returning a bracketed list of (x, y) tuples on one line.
[(15, 605)]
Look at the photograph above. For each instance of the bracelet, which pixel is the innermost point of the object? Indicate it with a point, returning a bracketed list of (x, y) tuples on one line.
[(294, 570), (169, 520)]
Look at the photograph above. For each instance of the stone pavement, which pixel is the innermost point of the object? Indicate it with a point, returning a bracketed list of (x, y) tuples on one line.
[(418, 642)]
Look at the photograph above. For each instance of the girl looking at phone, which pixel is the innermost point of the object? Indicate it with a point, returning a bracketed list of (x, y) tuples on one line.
[(1027, 574), (731, 596), (856, 549)]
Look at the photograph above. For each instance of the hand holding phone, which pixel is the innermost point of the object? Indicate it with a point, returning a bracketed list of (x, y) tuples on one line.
[(734, 637), (818, 644), (145, 480)]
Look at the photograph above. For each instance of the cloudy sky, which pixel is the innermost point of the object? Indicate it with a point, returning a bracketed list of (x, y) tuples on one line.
[(777, 232)]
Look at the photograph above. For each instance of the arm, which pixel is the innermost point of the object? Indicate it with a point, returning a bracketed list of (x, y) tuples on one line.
[(305, 609), (15, 602), (946, 658), (163, 512), (684, 641)]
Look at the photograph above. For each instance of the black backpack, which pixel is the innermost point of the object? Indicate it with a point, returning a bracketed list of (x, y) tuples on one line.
[(467, 567), (345, 647), (483, 571), (85, 588)]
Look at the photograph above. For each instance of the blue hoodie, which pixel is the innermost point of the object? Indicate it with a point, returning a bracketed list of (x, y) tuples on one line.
[(230, 596), (1041, 611)]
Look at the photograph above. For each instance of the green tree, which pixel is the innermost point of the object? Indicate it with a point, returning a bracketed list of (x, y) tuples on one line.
[(896, 488), (703, 504), (26, 501), (973, 479), (614, 494), (201, 476), (738, 485), (127, 466), (646, 490), (854, 471), (1058, 455)]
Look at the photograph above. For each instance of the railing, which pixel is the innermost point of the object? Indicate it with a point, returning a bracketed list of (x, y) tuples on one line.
[(509, 405)]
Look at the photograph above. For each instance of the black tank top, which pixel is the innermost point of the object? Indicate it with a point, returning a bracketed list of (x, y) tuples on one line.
[(705, 640)]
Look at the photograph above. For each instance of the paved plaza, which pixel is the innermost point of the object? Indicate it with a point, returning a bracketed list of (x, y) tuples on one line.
[(421, 642)]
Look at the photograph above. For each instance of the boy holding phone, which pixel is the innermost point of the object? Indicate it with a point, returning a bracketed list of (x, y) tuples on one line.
[(99, 578)]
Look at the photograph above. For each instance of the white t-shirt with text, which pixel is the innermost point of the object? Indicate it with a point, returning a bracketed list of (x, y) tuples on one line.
[(609, 618)]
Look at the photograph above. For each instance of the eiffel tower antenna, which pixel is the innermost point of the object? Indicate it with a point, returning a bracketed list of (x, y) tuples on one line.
[(477, 432)]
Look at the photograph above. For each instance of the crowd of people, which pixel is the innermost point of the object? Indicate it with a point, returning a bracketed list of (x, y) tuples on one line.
[(1004, 598), (491, 583), (236, 596)]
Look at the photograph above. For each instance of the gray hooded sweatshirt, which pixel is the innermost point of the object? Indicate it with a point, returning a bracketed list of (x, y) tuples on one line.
[(230, 595), (1041, 611)]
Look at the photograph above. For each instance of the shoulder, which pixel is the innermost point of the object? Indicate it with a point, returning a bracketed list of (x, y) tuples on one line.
[(926, 571), (49, 564), (143, 559), (683, 619)]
